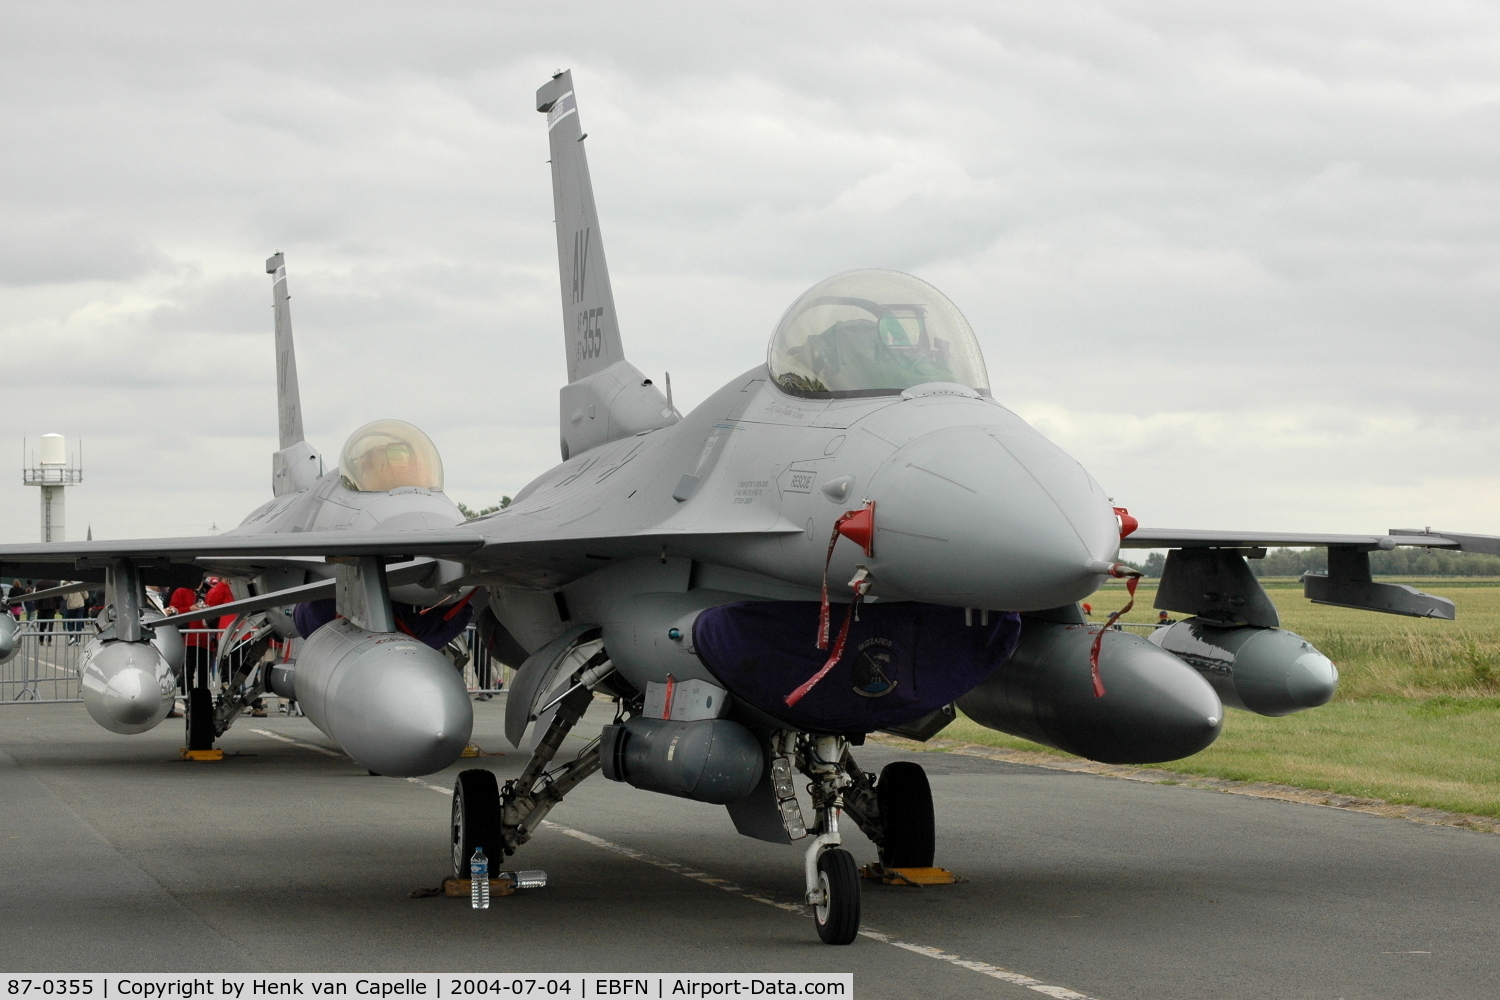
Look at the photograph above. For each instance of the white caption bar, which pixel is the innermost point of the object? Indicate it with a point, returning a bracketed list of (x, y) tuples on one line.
[(426, 986)]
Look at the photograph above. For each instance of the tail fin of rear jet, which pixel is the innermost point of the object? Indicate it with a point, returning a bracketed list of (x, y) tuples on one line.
[(297, 465), (589, 323)]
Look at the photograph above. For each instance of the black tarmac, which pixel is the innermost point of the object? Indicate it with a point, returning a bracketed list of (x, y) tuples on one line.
[(117, 856)]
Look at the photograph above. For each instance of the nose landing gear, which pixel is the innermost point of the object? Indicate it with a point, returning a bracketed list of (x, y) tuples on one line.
[(893, 810), (832, 876)]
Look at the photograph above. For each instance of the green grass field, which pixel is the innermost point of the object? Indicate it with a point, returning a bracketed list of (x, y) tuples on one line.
[(1416, 720)]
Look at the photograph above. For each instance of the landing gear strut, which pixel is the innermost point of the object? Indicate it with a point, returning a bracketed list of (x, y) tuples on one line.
[(894, 811), (502, 819), (832, 876)]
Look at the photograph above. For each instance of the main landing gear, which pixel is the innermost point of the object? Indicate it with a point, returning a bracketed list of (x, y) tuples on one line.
[(502, 819), (893, 810)]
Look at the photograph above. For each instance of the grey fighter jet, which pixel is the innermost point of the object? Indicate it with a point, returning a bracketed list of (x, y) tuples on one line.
[(389, 476), (850, 537)]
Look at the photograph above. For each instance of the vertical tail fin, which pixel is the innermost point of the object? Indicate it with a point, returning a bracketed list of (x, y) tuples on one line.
[(589, 324), (297, 465)]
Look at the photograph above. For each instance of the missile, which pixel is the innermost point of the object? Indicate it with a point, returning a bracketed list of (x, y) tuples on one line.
[(1268, 671), (1155, 707), (128, 687), (394, 704)]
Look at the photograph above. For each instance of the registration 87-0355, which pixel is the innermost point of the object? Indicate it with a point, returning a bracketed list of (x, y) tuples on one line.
[(49, 987)]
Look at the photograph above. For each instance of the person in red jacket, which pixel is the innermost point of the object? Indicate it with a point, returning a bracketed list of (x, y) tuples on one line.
[(199, 648), (219, 593)]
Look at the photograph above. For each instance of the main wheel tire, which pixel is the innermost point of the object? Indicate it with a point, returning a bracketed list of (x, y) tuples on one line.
[(837, 916), (200, 719), (906, 814), (476, 819)]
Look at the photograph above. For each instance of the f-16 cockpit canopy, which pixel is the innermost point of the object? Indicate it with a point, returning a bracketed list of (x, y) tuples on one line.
[(387, 454), (873, 333)]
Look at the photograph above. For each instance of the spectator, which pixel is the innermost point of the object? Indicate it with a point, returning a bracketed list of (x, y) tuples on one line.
[(15, 590), (199, 649), (46, 612), (1163, 619), (219, 593), (75, 606)]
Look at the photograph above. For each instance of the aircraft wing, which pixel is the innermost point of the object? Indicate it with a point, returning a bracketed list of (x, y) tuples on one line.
[(511, 551), (440, 542), (175, 561), (1193, 538)]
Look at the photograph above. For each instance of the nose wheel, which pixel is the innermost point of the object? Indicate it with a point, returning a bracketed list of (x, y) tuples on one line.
[(836, 911)]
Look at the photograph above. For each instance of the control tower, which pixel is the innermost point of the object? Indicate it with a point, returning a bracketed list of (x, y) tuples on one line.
[(52, 471)]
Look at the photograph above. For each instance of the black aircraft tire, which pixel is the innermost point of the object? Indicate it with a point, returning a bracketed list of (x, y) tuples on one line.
[(476, 819), (906, 813), (837, 916), (200, 719)]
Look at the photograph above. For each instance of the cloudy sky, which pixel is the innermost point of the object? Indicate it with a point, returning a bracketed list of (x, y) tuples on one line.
[(1240, 260)]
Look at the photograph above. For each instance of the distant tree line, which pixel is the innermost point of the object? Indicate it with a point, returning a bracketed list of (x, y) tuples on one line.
[(471, 514), (1405, 561)]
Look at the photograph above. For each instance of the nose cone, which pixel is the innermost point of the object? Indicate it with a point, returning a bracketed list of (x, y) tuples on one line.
[(400, 708), (1278, 672), (127, 686), (990, 517), (1155, 707), (1312, 680)]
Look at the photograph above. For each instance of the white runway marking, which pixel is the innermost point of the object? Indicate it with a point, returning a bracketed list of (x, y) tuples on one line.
[(299, 743), (983, 968)]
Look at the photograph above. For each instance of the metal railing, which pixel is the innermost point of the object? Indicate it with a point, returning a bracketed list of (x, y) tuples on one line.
[(45, 667)]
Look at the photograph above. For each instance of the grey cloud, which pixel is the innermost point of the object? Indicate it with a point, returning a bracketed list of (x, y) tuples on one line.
[(1180, 219)]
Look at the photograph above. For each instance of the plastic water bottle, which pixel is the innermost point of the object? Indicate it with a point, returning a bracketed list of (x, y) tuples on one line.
[(479, 880)]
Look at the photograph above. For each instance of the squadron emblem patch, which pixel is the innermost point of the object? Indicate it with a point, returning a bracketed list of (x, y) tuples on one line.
[(871, 669)]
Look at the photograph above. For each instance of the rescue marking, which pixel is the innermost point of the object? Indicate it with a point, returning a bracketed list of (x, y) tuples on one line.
[(983, 968)]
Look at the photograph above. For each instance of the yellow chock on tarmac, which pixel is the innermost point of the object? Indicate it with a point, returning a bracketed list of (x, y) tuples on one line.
[(909, 876), (214, 754)]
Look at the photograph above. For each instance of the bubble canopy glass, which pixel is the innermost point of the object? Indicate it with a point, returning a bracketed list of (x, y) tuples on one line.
[(873, 333), (389, 453)]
